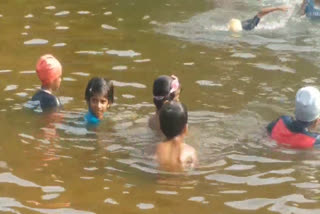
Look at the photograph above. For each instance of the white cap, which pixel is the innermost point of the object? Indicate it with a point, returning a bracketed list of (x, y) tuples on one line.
[(307, 104), (235, 25)]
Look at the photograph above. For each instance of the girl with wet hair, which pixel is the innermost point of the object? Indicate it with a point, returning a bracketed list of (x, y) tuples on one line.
[(174, 154), (165, 88), (99, 97)]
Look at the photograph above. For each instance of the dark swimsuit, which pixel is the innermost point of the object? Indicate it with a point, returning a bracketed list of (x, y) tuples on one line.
[(46, 101), (250, 24)]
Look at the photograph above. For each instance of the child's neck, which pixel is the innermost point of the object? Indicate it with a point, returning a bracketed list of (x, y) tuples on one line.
[(178, 140), (46, 88)]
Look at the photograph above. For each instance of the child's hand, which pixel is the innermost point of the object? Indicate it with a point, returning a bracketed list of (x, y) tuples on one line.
[(284, 8)]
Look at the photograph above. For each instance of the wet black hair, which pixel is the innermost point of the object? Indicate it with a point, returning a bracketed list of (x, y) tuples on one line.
[(162, 87), (173, 118), (101, 86)]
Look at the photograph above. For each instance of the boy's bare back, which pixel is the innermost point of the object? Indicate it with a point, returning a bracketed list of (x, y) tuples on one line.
[(175, 156)]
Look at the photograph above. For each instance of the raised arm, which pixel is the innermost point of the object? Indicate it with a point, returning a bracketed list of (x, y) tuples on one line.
[(268, 10)]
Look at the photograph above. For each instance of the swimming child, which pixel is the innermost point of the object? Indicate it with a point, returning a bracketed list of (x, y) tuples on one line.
[(165, 88), (296, 133), (99, 97), (49, 71), (174, 154), (311, 8), (235, 25)]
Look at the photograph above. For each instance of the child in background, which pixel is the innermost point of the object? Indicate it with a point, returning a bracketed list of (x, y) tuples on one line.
[(99, 97), (296, 133), (174, 154), (235, 25), (311, 8), (49, 71), (165, 88)]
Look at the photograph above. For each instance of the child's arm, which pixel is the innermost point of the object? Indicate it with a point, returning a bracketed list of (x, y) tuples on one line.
[(268, 10)]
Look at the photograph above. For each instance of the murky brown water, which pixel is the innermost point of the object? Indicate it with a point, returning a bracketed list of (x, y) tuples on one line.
[(233, 86)]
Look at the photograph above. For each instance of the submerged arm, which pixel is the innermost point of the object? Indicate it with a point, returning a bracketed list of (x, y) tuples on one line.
[(268, 10)]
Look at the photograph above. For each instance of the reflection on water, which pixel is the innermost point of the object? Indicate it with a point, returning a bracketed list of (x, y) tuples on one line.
[(233, 86)]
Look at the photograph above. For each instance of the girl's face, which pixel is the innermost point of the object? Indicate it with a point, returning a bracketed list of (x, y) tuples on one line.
[(98, 104)]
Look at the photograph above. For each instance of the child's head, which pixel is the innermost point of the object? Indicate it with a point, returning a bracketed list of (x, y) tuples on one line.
[(49, 71), (308, 105), (173, 118), (235, 25), (165, 88), (99, 95)]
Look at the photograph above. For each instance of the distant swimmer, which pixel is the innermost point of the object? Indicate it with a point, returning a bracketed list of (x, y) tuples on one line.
[(235, 25), (311, 8)]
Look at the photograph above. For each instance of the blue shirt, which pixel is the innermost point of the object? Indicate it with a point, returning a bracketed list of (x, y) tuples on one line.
[(91, 119), (311, 11)]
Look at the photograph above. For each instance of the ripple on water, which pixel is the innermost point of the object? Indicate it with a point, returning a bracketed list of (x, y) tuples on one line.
[(7, 205), (269, 67), (62, 13), (59, 44), (307, 185), (124, 53), (52, 189), (253, 180), (142, 60), (108, 27), (128, 84), (239, 167), (120, 68), (244, 55), (145, 206), (11, 87), (208, 83), (5, 71), (165, 192), (81, 74), (278, 204), (50, 7), (90, 52), (128, 96), (50, 196), (252, 158), (199, 199), (69, 79), (111, 201), (108, 13), (27, 72), (62, 28), (22, 94), (28, 16), (83, 12), (188, 63), (36, 42)]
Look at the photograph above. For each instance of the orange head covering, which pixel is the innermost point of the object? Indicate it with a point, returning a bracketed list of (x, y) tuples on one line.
[(48, 69)]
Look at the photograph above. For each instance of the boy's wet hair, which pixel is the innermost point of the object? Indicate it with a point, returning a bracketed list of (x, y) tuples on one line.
[(101, 86), (161, 90), (173, 118)]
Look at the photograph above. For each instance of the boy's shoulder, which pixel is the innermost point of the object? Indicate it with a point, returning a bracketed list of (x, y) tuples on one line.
[(188, 156), (47, 100)]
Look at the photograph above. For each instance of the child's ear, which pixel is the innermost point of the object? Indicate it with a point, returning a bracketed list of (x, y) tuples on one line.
[(186, 129)]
